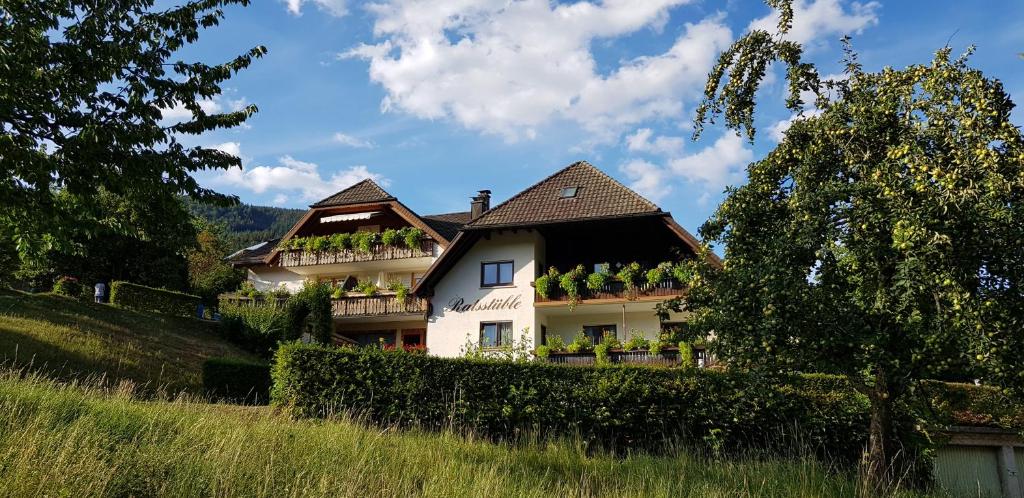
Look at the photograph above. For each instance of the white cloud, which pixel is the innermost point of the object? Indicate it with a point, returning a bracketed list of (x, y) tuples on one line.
[(295, 177), (509, 68), (777, 131), (716, 165), (648, 179), (336, 8), (233, 148), (640, 141), (280, 200), (351, 141), (819, 18)]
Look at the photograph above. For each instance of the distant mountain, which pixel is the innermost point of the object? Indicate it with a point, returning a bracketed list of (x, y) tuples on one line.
[(247, 224)]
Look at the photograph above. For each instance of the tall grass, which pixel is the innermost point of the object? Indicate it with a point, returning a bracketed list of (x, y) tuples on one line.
[(76, 440)]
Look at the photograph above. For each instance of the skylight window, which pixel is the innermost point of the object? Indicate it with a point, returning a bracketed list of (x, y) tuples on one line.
[(569, 192)]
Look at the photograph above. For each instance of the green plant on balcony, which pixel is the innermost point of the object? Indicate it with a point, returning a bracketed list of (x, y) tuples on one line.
[(280, 292), (597, 280), (364, 241), (630, 276), (367, 287), (572, 283), (686, 359), (338, 293), (340, 241), (412, 237), (247, 289), (659, 273), (636, 341), (608, 343), (555, 343), (389, 237), (543, 352), (654, 348), (580, 343), (319, 243), (400, 289), (545, 284)]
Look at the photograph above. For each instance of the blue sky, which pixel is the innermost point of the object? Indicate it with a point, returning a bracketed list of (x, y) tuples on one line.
[(437, 99)]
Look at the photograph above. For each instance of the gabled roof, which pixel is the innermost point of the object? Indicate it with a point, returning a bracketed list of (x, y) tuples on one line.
[(597, 196), (252, 255), (360, 193), (447, 224)]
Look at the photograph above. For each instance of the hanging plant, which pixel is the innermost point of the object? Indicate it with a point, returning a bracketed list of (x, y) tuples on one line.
[(545, 284), (364, 241), (389, 237), (659, 273), (629, 275), (571, 283), (683, 272), (412, 237), (340, 241), (318, 244), (401, 290)]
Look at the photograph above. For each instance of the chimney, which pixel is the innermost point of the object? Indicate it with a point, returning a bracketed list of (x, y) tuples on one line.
[(481, 203)]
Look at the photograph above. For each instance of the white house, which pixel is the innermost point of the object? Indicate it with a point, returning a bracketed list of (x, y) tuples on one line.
[(474, 280)]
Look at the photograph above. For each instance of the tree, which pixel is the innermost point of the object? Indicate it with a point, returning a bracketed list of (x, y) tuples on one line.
[(208, 273), (83, 92), (880, 239)]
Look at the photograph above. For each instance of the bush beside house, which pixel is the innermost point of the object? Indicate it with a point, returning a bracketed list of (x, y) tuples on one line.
[(142, 298), (237, 380)]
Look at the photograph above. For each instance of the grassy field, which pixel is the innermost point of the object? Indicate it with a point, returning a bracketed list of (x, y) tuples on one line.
[(108, 443), (66, 338)]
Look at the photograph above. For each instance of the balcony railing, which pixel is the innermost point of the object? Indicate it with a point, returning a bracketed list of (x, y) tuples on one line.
[(381, 305), (379, 252), (346, 306), (615, 289), (666, 358)]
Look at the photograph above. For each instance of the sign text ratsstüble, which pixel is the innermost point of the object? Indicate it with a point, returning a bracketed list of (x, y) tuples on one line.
[(459, 305)]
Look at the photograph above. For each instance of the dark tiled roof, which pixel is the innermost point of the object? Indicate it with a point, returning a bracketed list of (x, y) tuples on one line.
[(598, 196), (447, 224), (362, 192), (252, 255)]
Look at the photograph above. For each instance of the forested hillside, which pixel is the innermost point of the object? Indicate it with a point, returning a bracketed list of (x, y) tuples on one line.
[(246, 224)]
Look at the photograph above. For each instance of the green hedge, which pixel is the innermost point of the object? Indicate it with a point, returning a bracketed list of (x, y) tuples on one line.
[(237, 380), (67, 286), (257, 328), (616, 407), (142, 298)]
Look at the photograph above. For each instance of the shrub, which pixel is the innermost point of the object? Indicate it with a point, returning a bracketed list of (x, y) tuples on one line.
[(142, 298), (309, 311), (686, 359), (619, 406), (256, 328), (248, 289), (237, 380), (67, 286)]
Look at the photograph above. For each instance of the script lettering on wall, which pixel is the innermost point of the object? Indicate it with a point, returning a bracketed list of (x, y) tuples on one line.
[(458, 304)]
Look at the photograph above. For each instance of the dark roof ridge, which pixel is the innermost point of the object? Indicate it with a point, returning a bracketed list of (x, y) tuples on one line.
[(382, 195), (531, 187)]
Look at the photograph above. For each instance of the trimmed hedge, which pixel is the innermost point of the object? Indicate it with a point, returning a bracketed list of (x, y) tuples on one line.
[(237, 380), (142, 298), (615, 407), (67, 286)]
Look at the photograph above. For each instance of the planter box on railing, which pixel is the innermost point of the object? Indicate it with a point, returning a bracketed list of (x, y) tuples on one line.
[(615, 289), (379, 252), (380, 305), (240, 300)]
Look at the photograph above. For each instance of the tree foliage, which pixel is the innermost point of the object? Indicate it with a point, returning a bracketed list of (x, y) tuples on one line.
[(209, 274), (880, 239), (83, 90)]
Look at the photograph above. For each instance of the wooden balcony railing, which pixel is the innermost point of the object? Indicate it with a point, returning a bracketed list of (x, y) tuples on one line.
[(381, 305), (379, 252), (666, 358), (615, 289)]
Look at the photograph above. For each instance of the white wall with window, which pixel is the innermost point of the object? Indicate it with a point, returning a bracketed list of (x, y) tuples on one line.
[(487, 295)]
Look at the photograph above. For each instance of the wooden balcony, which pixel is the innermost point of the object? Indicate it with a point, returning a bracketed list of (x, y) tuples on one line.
[(615, 291), (380, 305), (669, 357), (379, 252)]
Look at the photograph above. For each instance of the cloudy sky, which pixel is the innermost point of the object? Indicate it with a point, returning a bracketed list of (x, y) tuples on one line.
[(436, 99)]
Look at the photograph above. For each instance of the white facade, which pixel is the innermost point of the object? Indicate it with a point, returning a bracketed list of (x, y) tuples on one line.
[(267, 278), (461, 304)]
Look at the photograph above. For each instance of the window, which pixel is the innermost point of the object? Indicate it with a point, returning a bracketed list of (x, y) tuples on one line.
[(602, 268), (369, 228), (495, 334), (570, 192), (495, 274), (596, 332)]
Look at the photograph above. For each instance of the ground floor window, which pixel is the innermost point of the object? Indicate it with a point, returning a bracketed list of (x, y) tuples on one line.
[(495, 334), (413, 337), (372, 337), (596, 333)]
